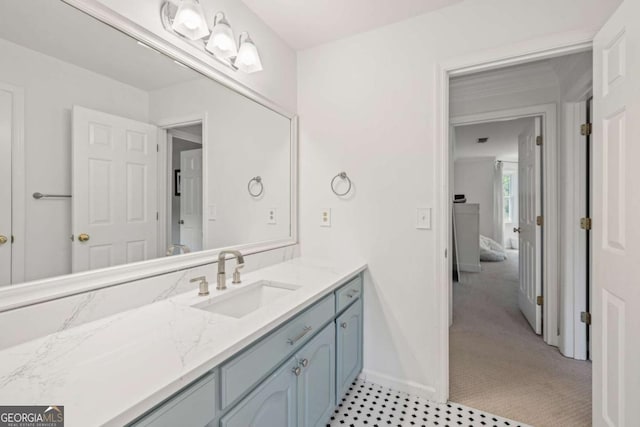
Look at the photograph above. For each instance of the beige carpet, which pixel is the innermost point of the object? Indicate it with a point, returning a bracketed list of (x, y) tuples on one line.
[(497, 363)]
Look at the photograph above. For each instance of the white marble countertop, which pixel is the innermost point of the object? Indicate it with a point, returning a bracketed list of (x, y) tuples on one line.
[(112, 370)]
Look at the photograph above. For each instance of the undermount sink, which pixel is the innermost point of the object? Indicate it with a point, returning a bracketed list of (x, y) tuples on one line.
[(240, 302)]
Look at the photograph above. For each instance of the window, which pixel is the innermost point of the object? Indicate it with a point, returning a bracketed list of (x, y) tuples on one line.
[(508, 193)]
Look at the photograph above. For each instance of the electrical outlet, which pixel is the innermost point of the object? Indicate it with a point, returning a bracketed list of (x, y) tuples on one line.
[(271, 216), (325, 217), (423, 220)]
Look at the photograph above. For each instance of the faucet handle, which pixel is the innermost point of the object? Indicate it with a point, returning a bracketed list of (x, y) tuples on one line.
[(204, 285), (236, 274)]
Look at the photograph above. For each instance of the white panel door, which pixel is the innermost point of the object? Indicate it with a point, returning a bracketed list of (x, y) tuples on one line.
[(529, 207), (191, 199), (114, 190), (616, 229), (6, 136)]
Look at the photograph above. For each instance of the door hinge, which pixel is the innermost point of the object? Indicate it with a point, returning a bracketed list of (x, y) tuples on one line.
[(585, 129), (539, 220), (585, 317), (157, 148), (538, 140), (585, 223), (539, 300), (157, 216)]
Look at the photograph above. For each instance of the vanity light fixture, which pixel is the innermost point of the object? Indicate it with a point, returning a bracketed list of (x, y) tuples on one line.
[(189, 20), (248, 59), (222, 42)]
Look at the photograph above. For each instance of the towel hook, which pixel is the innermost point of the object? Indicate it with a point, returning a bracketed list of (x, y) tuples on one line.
[(258, 181), (344, 177)]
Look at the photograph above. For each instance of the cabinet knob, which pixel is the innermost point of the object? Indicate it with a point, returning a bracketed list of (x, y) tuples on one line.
[(297, 371), (343, 325), (304, 363)]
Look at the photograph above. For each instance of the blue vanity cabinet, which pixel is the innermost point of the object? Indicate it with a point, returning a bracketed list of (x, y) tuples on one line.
[(348, 347), (316, 382), (273, 403), (195, 405)]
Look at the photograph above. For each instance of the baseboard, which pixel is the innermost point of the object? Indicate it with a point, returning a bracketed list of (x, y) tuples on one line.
[(422, 390)]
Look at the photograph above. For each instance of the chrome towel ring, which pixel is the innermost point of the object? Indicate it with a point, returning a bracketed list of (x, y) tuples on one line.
[(344, 177), (258, 181)]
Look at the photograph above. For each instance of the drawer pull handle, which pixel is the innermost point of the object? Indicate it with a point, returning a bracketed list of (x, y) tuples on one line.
[(353, 293), (297, 371), (304, 363), (343, 325), (304, 332)]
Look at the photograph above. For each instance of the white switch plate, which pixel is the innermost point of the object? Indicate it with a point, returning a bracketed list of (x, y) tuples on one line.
[(325, 217), (212, 213), (271, 216), (423, 219)]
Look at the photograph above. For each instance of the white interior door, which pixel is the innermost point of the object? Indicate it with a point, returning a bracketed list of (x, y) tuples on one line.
[(6, 137), (191, 199), (616, 231), (530, 238), (114, 190)]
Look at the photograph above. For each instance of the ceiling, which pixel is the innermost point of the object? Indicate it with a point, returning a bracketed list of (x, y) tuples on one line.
[(306, 23), (58, 30), (502, 143)]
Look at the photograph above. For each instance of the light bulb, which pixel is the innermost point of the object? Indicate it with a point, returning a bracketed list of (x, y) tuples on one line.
[(191, 20)]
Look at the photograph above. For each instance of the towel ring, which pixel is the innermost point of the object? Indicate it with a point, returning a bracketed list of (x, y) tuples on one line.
[(257, 180), (344, 177)]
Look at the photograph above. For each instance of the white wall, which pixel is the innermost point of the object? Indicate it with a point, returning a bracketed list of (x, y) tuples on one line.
[(278, 79), (372, 114), (244, 140), (52, 87), (473, 177)]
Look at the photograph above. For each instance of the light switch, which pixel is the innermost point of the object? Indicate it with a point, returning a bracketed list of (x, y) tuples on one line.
[(212, 213), (325, 217), (423, 220), (271, 216)]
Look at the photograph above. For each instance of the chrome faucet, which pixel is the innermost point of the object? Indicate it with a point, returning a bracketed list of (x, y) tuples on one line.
[(184, 248), (204, 285), (222, 276)]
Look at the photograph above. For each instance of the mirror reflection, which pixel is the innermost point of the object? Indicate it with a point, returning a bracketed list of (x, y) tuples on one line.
[(112, 153)]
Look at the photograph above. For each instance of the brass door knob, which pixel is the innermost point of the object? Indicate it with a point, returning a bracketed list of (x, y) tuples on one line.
[(3, 240), (83, 237), (516, 230)]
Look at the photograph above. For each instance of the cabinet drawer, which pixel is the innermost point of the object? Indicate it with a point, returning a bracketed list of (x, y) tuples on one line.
[(243, 371), (195, 406), (348, 293)]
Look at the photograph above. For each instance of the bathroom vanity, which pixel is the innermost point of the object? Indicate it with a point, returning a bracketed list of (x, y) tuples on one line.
[(283, 346), (293, 376)]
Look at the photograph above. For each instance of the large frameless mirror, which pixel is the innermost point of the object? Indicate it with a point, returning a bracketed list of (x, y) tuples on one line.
[(113, 153)]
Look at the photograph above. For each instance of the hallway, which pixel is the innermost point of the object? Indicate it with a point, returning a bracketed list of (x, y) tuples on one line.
[(497, 363)]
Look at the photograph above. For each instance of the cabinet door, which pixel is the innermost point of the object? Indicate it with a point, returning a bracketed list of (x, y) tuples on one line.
[(273, 403), (316, 383), (349, 348)]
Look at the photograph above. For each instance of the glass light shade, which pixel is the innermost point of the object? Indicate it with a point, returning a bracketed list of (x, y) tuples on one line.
[(222, 42), (248, 59), (190, 21)]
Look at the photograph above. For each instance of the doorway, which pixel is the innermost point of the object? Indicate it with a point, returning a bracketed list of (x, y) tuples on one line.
[(497, 360), (185, 170)]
